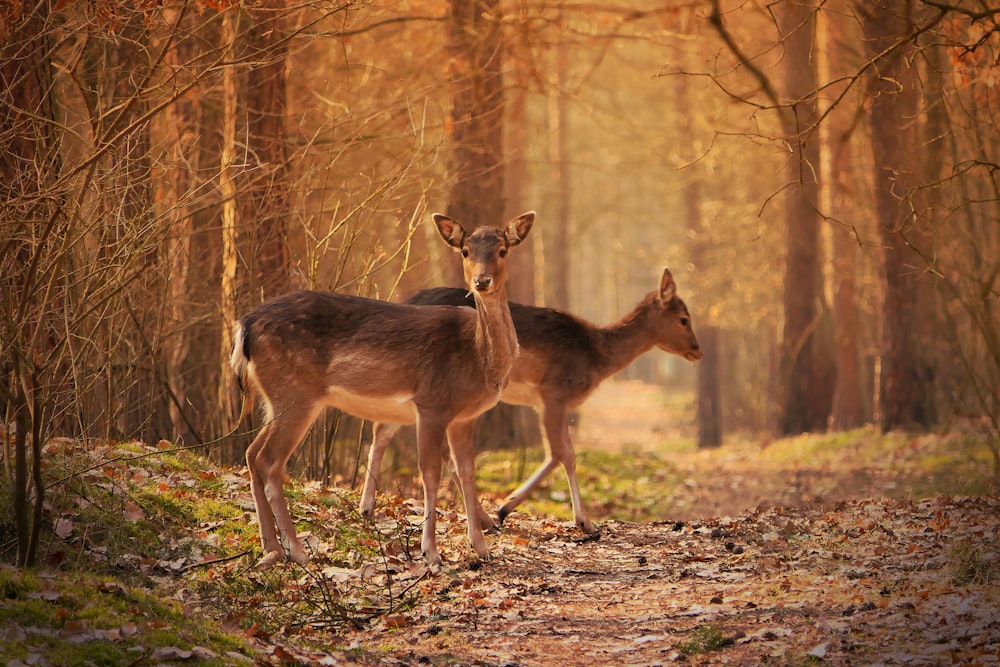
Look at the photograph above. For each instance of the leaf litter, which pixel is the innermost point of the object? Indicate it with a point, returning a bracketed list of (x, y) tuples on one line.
[(861, 581)]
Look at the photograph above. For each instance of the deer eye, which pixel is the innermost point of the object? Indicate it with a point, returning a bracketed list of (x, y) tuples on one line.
[(503, 252), (465, 252), (685, 321)]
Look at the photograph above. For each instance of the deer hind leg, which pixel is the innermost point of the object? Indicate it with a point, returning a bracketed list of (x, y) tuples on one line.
[(463, 454), (266, 459), (559, 450), (430, 443), (557, 429), (382, 435)]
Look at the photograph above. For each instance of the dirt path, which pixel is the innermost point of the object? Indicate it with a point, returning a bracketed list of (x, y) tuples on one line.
[(730, 480), (876, 582)]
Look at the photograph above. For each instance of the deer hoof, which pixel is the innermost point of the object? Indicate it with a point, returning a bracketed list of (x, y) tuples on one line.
[(487, 523), (502, 514), (269, 560), (299, 556), (433, 562), (587, 527)]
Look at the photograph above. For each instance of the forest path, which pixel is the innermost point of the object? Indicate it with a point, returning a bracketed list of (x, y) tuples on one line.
[(740, 475), (874, 582)]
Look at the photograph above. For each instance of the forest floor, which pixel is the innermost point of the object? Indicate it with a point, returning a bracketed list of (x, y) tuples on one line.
[(841, 550)]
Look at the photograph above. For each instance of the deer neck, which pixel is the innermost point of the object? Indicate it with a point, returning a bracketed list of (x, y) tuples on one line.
[(496, 340), (624, 340)]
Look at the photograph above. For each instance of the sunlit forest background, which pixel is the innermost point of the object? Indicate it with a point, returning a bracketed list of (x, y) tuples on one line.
[(821, 177)]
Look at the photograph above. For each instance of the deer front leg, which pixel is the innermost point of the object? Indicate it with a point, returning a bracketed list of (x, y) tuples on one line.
[(430, 442), (463, 453), (382, 435)]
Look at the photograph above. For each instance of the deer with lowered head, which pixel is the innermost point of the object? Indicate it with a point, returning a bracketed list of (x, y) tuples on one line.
[(436, 367), (562, 361)]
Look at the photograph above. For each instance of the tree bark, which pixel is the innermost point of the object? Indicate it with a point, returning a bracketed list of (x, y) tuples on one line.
[(805, 399), (710, 388), (558, 260), (521, 284), (267, 187), (907, 379), (476, 196)]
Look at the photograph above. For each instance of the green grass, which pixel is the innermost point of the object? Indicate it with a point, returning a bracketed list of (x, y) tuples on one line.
[(627, 487), (76, 618), (703, 639)]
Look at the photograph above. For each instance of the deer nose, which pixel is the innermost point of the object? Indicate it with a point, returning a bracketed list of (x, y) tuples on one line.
[(482, 283)]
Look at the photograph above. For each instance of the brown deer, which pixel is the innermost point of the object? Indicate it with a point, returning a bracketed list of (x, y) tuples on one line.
[(562, 361), (438, 368)]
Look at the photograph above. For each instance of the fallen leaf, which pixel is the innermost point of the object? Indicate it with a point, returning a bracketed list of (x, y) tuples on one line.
[(395, 621), (171, 652), (63, 527)]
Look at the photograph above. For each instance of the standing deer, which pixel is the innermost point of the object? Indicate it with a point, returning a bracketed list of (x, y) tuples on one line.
[(436, 367), (562, 361)]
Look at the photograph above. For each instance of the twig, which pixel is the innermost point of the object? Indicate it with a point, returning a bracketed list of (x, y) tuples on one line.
[(207, 563)]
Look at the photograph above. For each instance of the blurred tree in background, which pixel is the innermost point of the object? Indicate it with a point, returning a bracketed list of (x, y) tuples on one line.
[(820, 177)]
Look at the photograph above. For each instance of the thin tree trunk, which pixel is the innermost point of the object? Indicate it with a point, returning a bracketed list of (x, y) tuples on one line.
[(477, 167), (230, 212), (27, 161)]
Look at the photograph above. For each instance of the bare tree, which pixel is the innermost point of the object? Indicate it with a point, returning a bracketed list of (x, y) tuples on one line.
[(27, 166)]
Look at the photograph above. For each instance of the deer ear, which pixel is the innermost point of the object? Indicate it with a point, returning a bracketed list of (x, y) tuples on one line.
[(668, 288), (518, 228), (452, 232)]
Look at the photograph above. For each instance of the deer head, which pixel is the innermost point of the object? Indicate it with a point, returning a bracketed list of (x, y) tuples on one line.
[(484, 251), (673, 323)]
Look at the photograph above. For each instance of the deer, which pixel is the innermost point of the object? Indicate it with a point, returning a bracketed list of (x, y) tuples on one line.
[(563, 359), (436, 367)]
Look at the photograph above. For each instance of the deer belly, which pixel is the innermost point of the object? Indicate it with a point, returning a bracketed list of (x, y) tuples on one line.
[(522, 393), (388, 409)]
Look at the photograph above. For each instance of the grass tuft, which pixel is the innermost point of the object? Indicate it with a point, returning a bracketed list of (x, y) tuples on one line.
[(704, 638), (971, 565)]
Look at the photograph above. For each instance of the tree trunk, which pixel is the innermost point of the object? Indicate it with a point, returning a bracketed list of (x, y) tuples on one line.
[(235, 449), (805, 399), (710, 388), (267, 188), (559, 160), (907, 378), (477, 169), (193, 123), (521, 284)]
